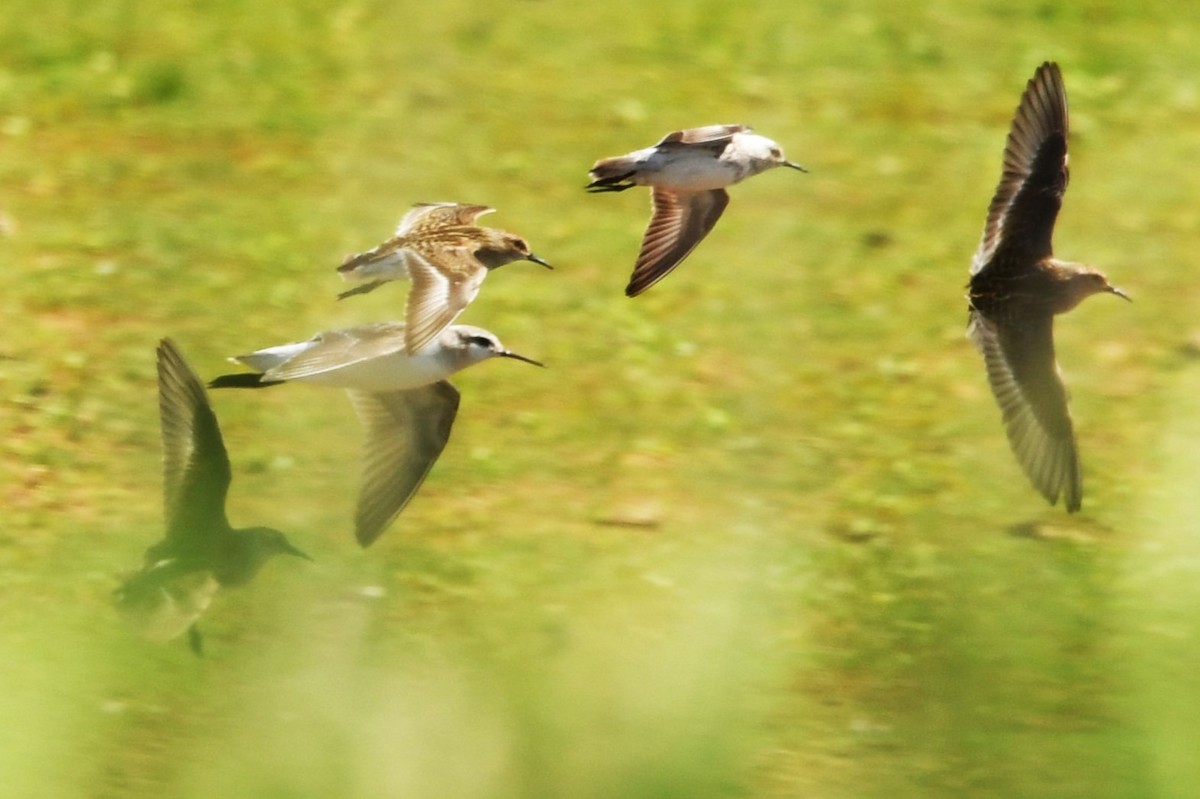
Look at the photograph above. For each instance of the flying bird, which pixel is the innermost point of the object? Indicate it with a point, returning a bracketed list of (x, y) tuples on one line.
[(445, 254), (1017, 286), (200, 553), (402, 398), (687, 173)]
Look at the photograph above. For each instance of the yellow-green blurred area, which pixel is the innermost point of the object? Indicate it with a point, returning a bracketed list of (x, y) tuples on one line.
[(756, 533)]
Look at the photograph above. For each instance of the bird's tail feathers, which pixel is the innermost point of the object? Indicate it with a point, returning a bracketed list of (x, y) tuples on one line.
[(242, 380), (612, 174)]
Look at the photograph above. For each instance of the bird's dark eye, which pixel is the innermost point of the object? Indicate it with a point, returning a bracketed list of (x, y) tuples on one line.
[(481, 341), (521, 245), (776, 152)]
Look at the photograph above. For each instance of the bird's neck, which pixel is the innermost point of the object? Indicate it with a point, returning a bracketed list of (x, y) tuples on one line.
[(492, 258), (241, 557), (1077, 283)]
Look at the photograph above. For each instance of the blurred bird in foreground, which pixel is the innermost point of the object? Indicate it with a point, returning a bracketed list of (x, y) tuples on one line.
[(445, 254), (404, 400), (200, 552), (1017, 287), (687, 173)]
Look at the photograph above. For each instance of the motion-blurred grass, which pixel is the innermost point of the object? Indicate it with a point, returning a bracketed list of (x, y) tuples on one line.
[(757, 533)]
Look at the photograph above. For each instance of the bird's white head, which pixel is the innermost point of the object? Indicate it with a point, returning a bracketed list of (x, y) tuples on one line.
[(477, 344), (763, 153)]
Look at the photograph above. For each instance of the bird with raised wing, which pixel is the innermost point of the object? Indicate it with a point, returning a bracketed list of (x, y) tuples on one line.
[(1017, 286), (687, 173), (445, 254), (200, 552)]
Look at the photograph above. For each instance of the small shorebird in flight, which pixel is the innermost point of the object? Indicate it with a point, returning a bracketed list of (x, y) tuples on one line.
[(445, 254), (1017, 286), (687, 173), (200, 552), (404, 400)]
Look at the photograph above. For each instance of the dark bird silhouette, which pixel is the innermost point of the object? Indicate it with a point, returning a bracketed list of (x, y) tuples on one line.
[(200, 552), (1017, 286)]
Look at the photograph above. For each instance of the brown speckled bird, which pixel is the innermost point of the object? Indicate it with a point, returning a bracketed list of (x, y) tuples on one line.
[(1017, 286), (445, 254)]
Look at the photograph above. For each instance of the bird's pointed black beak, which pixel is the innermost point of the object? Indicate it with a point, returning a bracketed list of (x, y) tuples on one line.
[(537, 260), (794, 165), (1119, 293), (517, 357)]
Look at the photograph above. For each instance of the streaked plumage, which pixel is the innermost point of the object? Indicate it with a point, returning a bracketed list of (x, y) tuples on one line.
[(687, 172), (404, 401), (200, 552), (1017, 287), (445, 254)]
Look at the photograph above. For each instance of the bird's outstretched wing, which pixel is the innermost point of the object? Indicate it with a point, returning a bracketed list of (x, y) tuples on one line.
[(678, 222), (406, 431), (1027, 200), (425, 216), (707, 134), (1024, 379), (196, 471), (445, 281), (332, 350)]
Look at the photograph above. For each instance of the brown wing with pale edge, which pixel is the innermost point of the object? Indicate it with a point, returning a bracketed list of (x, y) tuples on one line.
[(406, 431), (677, 224), (443, 284), (1024, 378), (425, 216), (392, 259), (196, 471), (1023, 211)]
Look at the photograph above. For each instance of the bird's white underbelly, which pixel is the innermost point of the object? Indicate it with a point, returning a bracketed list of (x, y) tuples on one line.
[(695, 174)]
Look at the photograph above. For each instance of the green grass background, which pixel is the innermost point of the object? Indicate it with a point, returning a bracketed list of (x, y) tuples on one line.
[(757, 533)]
